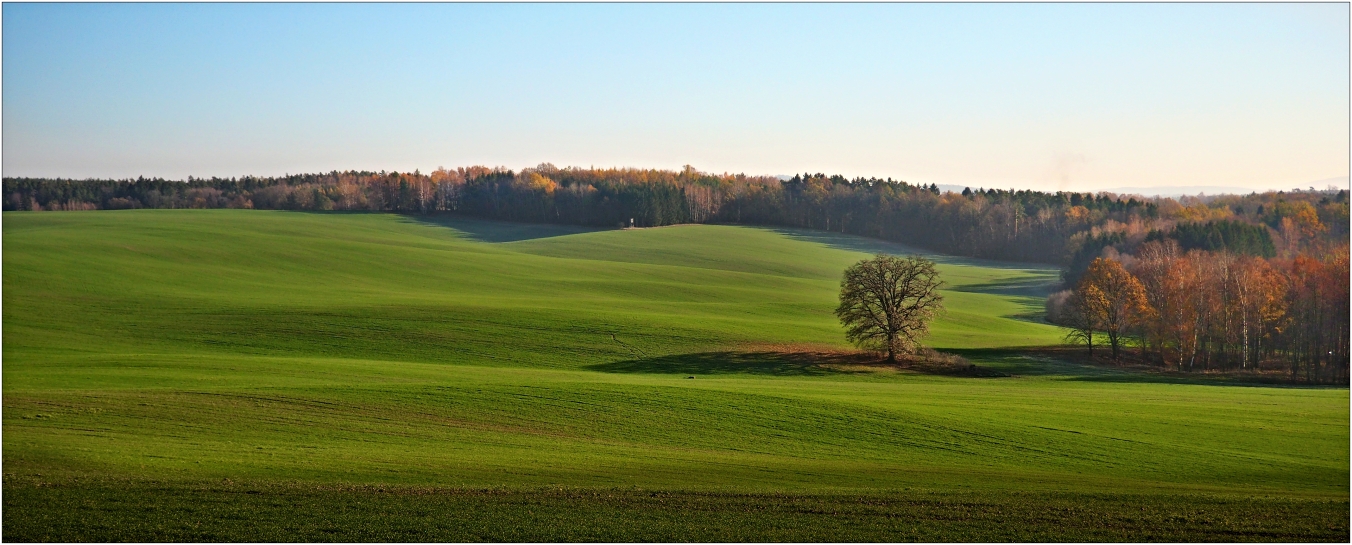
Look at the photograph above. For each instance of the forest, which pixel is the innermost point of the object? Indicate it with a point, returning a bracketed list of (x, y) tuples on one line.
[(1196, 284)]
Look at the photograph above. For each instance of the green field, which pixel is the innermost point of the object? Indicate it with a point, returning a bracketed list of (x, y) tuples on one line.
[(253, 375)]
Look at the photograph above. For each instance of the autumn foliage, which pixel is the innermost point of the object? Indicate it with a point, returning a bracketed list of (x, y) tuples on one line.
[(1112, 301), (1200, 310), (1063, 228), (1196, 283)]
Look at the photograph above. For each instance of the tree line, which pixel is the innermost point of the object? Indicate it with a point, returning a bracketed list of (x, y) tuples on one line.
[(1062, 228), (1235, 282), (1195, 310), (1231, 281)]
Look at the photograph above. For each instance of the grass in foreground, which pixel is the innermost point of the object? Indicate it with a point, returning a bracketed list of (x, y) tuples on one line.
[(235, 512), (319, 357)]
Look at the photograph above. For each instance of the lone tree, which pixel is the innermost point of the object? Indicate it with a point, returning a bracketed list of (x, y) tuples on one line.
[(887, 302)]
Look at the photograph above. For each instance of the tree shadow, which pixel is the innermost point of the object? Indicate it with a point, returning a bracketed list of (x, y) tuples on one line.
[(1064, 363), (744, 363), (1036, 287), (856, 243), (494, 231), (1209, 380), (1030, 294), (1030, 362), (785, 364)]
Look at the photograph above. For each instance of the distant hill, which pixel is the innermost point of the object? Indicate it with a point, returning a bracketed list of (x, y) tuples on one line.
[(1171, 192), (1340, 182), (1180, 191)]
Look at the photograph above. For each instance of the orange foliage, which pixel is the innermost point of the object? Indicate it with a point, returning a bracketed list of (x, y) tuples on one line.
[(1112, 299)]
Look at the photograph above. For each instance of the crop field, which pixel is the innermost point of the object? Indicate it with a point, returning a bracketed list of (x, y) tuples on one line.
[(273, 376)]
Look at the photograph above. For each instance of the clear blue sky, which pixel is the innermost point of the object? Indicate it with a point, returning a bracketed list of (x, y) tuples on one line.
[(1048, 96)]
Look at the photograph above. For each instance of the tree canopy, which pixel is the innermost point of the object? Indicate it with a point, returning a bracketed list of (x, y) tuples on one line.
[(1063, 228), (887, 302), (1111, 299)]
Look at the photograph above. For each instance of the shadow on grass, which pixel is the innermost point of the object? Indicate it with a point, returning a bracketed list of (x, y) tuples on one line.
[(747, 363), (493, 231), (1054, 363), (1031, 362), (1071, 364), (789, 363), (856, 243), (1036, 287)]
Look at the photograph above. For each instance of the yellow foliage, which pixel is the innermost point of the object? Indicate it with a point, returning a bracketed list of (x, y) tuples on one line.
[(538, 182), (1077, 214), (1308, 220), (1113, 298), (1202, 213)]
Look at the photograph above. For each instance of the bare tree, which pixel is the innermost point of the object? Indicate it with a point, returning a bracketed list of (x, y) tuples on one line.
[(886, 303), (1074, 314)]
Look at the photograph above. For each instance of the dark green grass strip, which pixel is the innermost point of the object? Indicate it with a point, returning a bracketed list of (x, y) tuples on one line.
[(288, 513)]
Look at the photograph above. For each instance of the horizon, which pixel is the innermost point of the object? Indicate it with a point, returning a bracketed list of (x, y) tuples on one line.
[(1325, 186), (1149, 97)]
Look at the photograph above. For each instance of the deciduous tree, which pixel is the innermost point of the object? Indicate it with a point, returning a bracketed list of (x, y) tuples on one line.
[(887, 302), (1113, 300)]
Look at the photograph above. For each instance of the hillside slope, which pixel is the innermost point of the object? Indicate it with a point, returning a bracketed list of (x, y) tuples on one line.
[(200, 347)]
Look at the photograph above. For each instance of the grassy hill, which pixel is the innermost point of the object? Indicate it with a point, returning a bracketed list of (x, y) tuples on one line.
[(479, 380)]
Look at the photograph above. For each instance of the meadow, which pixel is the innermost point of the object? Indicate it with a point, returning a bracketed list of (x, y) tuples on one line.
[(272, 376)]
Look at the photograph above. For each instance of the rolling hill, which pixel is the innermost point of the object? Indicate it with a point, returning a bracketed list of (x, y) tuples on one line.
[(257, 375)]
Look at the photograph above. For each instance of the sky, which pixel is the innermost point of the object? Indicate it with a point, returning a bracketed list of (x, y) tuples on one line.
[(1078, 97)]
